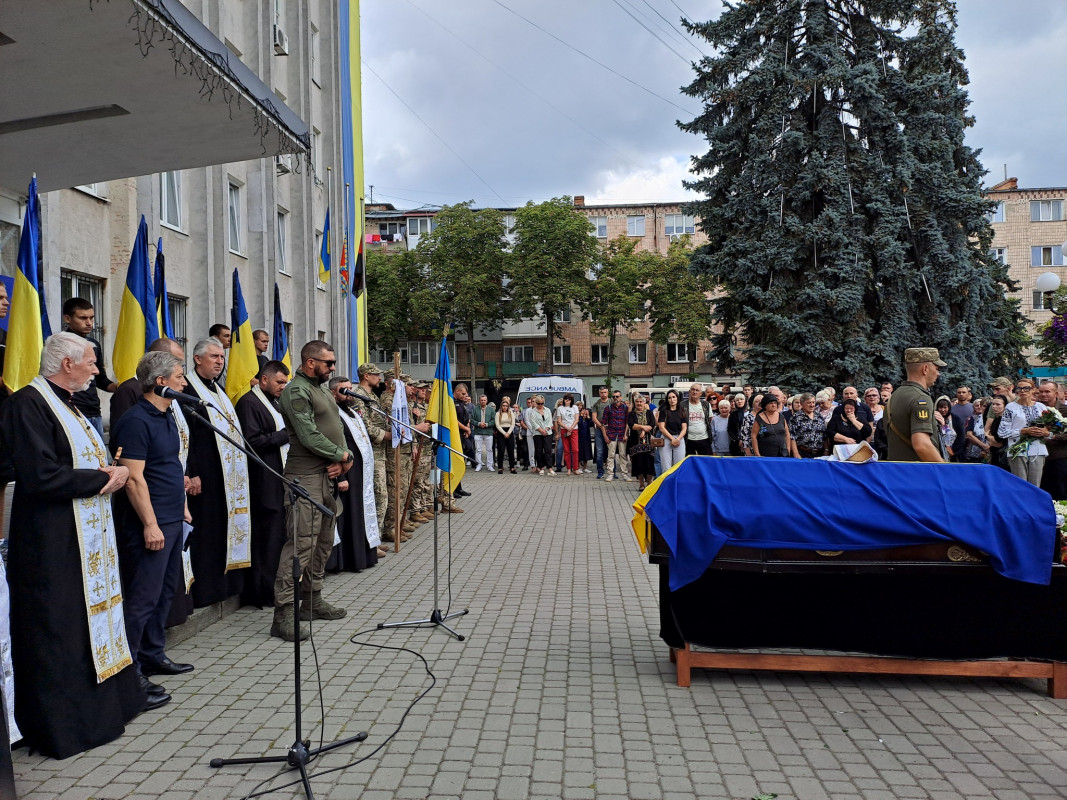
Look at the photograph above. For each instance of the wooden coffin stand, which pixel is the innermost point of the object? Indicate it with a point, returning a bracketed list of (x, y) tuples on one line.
[(928, 610)]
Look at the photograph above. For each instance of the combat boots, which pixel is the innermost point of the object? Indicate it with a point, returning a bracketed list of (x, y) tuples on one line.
[(284, 627), (319, 608)]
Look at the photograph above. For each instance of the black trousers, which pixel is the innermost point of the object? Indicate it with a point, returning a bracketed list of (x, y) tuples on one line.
[(154, 576), (504, 444), (701, 447), (542, 451), (1054, 478)]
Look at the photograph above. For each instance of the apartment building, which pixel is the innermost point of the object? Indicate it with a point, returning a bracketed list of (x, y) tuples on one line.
[(1030, 237), (518, 349)]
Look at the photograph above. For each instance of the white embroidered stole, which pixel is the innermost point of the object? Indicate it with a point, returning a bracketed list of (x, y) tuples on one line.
[(366, 449), (279, 421), (96, 541), (183, 434), (234, 475)]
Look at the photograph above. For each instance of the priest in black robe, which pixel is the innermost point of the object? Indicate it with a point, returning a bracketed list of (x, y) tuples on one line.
[(60, 706), (209, 509), (352, 553), (266, 434)]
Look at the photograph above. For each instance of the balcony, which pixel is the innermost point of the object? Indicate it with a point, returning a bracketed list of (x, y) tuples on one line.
[(512, 369)]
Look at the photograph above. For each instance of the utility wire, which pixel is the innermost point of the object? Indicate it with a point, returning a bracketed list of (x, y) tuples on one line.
[(673, 27), (658, 38), (687, 17), (583, 54), (430, 129), (543, 99)]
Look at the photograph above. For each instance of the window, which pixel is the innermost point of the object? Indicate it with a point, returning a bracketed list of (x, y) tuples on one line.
[(518, 353), (509, 224), (92, 289), (997, 214), (316, 155), (170, 199), (235, 218), (1000, 254), (1047, 256), (283, 241), (423, 352), (383, 356), (563, 315), (392, 230), (678, 224), (561, 354), (639, 353), (601, 227), (635, 225), (176, 308), (95, 189), (598, 354), (315, 72), (677, 353), (418, 226), (1046, 210), (1041, 302)]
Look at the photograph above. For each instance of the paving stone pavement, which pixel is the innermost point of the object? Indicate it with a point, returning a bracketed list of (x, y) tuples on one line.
[(562, 689)]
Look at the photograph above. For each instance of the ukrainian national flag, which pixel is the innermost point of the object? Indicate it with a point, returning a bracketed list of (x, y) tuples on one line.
[(442, 410), (280, 351), (324, 252), (243, 364), (166, 324), (138, 320), (25, 329)]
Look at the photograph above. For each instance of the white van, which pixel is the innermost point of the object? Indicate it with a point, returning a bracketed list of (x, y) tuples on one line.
[(553, 387)]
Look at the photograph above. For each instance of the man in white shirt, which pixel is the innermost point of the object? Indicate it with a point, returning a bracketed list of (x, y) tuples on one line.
[(698, 434)]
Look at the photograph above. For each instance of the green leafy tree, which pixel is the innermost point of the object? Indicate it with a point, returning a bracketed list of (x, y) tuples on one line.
[(845, 215), (391, 278), (464, 261), (617, 293), (1052, 335), (553, 256), (678, 305)]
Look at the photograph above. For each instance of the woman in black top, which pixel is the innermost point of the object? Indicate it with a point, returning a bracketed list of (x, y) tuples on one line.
[(994, 412), (733, 427), (641, 423), (673, 423), (846, 427), (770, 432)]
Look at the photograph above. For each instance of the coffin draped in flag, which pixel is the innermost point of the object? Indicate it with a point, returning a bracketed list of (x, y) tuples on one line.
[(442, 410), (138, 319)]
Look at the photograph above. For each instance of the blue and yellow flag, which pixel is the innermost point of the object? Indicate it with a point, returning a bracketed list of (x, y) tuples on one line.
[(138, 320), (242, 365), (25, 329), (166, 324), (324, 251), (280, 350), (442, 410)]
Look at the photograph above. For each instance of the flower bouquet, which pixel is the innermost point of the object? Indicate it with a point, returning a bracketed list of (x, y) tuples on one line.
[(1051, 420)]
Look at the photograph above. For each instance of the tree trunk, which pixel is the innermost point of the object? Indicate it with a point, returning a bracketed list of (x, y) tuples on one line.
[(550, 327), (611, 357), (470, 356)]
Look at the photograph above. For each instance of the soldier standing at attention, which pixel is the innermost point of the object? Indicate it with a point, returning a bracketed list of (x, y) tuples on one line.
[(380, 432), (911, 430)]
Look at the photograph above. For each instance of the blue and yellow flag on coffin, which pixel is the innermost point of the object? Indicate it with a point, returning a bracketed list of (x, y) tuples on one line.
[(166, 324), (242, 365), (324, 251), (280, 350), (442, 410), (25, 330), (138, 321)]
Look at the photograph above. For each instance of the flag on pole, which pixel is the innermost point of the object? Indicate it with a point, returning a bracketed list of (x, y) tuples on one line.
[(324, 251), (243, 364), (25, 327), (138, 320), (442, 410), (166, 324), (280, 351), (344, 266)]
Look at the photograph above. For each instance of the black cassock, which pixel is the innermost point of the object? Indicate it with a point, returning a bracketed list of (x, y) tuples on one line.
[(267, 495), (210, 513), (353, 553), (59, 706)]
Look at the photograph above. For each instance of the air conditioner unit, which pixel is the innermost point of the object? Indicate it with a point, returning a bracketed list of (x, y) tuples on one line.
[(283, 164), (281, 42), (674, 237)]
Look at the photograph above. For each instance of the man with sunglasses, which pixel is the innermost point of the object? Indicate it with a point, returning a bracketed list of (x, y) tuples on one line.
[(912, 432), (318, 457)]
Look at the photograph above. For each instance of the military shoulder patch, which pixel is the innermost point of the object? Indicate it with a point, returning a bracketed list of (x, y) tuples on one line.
[(300, 404)]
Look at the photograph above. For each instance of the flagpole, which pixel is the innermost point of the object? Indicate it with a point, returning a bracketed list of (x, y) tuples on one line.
[(346, 301), (329, 245), (398, 520)]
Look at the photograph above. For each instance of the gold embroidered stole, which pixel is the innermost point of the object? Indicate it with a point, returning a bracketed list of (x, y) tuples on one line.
[(279, 422), (96, 542), (366, 449), (183, 434), (234, 475)]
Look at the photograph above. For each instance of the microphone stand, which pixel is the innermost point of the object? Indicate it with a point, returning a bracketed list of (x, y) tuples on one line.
[(301, 752), (437, 618)]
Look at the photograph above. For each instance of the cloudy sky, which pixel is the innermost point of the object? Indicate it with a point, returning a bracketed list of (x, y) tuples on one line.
[(504, 101)]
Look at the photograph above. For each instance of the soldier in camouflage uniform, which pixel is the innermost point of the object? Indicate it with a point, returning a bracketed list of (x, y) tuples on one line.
[(422, 497), (380, 435), (403, 476)]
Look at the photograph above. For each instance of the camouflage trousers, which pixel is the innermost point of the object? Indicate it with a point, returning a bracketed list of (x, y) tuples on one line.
[(381, 493), (422, 494), (393, 478)]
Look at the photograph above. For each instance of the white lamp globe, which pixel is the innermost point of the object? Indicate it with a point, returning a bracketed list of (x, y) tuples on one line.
[(1047, 282)]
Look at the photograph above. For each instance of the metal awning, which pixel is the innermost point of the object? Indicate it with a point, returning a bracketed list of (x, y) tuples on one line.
[(94, 90)]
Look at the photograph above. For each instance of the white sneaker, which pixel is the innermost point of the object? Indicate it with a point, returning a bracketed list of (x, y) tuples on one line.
[(478, 468), (541, 473), (627, 478), (608, 479), (552, 472)]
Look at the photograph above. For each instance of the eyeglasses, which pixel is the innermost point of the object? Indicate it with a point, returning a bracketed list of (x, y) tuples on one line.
[(1024, 388), (331, 362), (540, 402)]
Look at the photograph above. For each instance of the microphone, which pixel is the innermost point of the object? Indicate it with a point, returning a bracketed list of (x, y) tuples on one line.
[(180, 397), (359, 396)]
